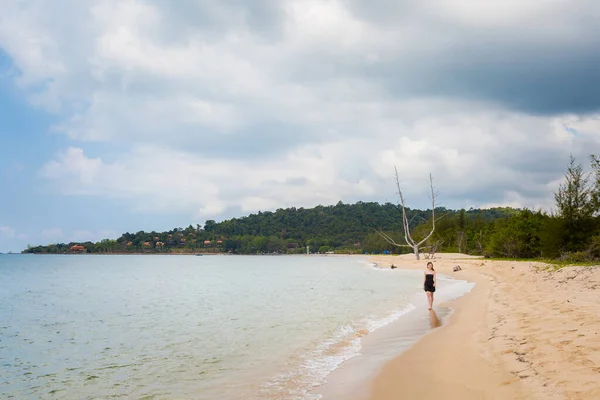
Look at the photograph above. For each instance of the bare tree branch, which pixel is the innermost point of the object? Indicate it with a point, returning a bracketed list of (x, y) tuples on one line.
[(433, 197), (410, 242), (407, 237), (390, 240)]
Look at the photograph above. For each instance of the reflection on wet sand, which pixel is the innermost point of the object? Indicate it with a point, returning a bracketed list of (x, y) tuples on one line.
[(351, 379), (434, 321)]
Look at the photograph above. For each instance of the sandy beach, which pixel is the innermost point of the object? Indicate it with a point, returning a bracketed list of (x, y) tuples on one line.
[(522, 333)]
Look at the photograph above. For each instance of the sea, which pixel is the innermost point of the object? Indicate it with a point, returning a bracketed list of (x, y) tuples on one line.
[(210, 327)]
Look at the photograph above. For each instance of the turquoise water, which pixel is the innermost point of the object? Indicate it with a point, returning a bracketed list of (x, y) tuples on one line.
[(186, 327)]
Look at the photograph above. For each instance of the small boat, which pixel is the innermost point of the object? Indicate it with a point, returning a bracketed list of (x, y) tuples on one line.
[(198, 254)]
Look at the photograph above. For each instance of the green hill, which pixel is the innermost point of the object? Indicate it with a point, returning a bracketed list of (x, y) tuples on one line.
[(340, 227)]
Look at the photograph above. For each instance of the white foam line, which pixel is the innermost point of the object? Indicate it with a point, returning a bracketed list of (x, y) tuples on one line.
[(317, 365)]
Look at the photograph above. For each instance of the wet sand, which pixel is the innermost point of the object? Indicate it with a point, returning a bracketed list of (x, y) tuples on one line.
[(522, 333), (351, 380)]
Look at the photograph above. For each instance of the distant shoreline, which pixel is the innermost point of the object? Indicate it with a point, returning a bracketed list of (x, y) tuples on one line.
[(184, 254), (123, 254)]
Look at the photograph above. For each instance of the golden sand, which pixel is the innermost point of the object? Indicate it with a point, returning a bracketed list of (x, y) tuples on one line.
[(522, 333)]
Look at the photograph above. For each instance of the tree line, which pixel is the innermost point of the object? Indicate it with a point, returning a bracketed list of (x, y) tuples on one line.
[(341, 227), (570, 232)]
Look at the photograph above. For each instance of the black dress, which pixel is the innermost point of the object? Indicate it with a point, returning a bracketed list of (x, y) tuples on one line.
[(428, 287)]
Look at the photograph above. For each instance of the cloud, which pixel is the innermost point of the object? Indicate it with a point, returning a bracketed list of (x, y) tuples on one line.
[(214, 57), (461, 151), (214, 106), (173, 179), (10, 233)]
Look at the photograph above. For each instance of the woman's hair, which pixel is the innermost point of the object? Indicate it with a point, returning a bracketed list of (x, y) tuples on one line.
[(430, 263)]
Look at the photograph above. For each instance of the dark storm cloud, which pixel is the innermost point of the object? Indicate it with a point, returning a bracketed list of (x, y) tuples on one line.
[(536, 81), (526, 66)]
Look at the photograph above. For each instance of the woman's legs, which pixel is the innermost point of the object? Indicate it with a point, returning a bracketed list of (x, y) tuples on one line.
[(430, 299)]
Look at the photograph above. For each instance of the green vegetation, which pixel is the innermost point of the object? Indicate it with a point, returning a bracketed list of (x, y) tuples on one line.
[(339, 228), (570, 234)]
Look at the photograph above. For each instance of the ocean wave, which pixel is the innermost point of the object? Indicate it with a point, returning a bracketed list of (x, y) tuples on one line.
[(315, 365)]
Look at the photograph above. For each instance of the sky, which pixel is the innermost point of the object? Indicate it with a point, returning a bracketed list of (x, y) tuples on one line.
[(126, 115)]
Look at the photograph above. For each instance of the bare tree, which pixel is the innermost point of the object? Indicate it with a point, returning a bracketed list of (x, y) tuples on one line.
[(410, 242), (433, 248)]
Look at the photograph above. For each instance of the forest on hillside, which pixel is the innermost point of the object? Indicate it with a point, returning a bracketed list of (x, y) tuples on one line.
[(570, 232)]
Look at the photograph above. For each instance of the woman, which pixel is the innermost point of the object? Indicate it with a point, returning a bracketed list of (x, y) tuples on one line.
[(429, 283)]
